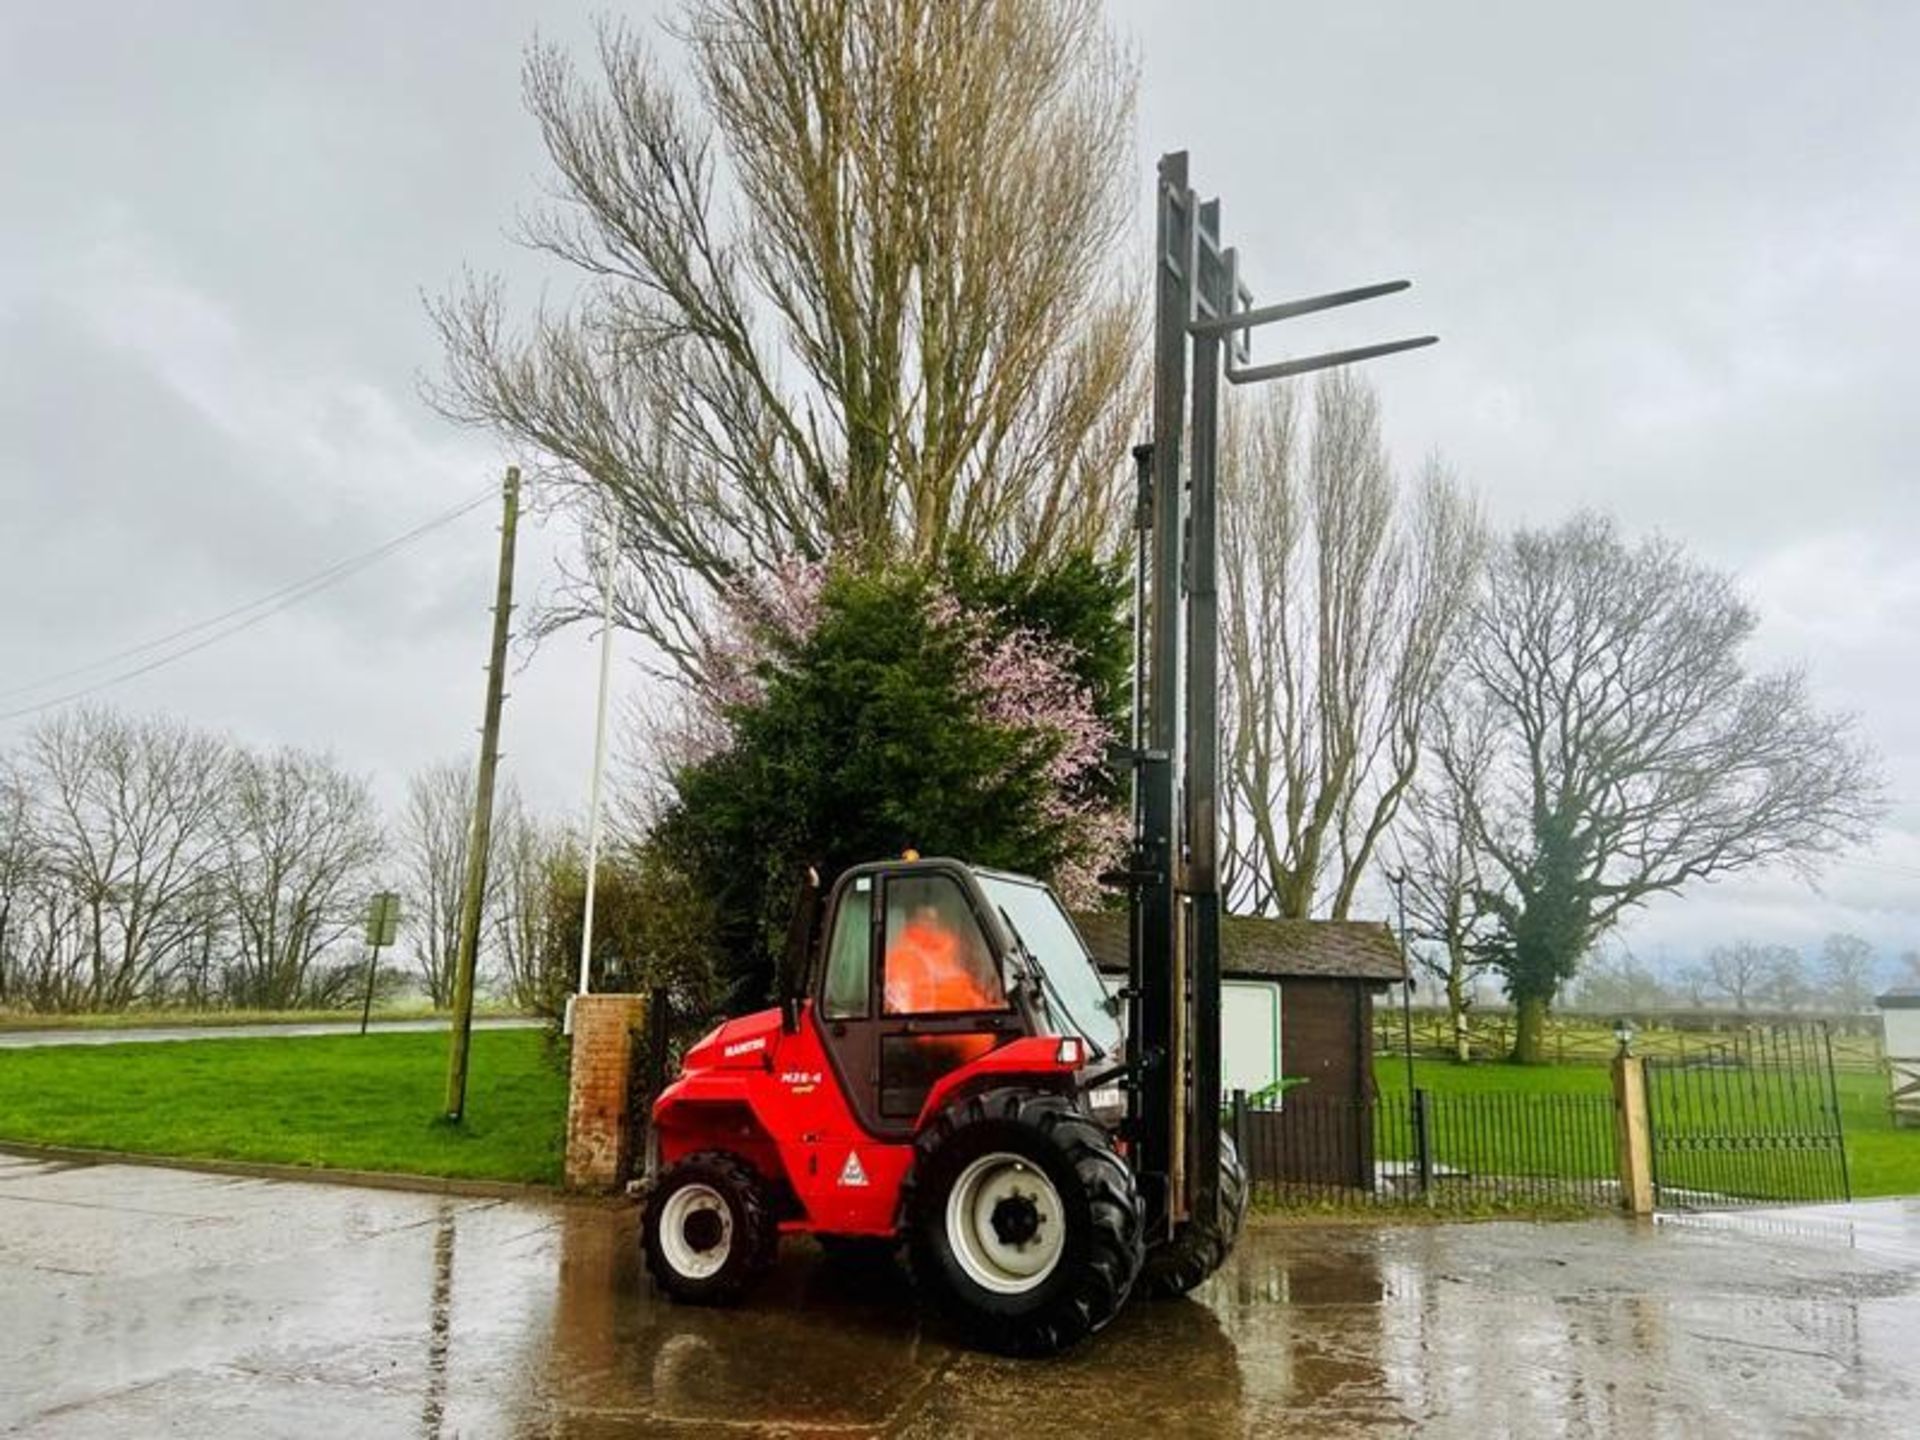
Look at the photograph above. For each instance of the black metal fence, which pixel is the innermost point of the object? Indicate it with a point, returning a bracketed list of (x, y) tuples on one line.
[(1751, 1118), (1491, 1151)]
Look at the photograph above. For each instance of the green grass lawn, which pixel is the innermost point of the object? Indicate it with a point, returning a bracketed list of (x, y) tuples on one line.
[(372, 1103), (336, 1101), (1880, 1159)]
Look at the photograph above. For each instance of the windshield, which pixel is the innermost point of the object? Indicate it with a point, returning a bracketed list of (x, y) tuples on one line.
[(1073, 985)]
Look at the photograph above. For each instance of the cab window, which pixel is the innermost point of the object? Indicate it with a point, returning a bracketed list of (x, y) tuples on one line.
[(936, 959), (850, 954)]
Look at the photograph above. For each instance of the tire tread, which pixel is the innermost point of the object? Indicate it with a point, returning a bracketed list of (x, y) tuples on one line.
[(1199, 1247), (1114, 1252), (757, 1229)]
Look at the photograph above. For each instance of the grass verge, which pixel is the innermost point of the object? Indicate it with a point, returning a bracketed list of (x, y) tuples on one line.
[(329, 1101)]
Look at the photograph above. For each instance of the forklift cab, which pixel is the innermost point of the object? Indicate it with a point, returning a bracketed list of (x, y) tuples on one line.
[(923, 967)]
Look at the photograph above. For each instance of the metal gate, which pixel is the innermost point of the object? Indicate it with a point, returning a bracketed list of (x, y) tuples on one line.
[(1747, 1118)]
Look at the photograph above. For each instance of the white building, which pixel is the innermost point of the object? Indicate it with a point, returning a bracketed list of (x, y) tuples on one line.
[(1900, 1028)]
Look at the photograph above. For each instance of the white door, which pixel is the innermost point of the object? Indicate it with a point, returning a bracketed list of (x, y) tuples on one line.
[(1249, 1036)]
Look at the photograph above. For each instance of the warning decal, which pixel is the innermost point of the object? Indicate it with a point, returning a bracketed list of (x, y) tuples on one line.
[(851, 1173)]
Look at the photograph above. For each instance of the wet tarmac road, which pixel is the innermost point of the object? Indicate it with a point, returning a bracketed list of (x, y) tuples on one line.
[(138, 1301)]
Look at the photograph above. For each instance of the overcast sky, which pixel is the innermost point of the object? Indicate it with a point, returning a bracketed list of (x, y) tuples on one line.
[(1673, 252)]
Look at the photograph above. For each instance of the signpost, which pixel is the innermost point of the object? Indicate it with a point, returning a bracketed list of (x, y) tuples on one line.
[(383, 923)]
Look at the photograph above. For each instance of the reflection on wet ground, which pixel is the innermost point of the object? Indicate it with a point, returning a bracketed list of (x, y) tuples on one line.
[(139, 1302)]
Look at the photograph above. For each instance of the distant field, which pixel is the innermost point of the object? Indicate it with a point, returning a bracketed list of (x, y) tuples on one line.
[(335, 1101), (1880, 1159), (1573, 1039)]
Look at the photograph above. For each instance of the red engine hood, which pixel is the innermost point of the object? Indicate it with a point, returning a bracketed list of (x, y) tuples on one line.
[(742, 1044)]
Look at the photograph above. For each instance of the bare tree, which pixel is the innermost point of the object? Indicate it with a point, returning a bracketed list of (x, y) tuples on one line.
[(197, 977), (1635, 752), (897, 333), (18, 861), (302, 838), (528, 857), (435, 834), (1695, 982), (49, 959), (1785, 985), (1738, 972), (1746, 975), (130, 814), (1438, 864), (1846, 973), (1342, 601), (1614, 981), (42, 965)]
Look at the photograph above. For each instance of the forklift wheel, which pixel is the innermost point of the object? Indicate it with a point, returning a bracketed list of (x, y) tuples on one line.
[(1200, 1247), (1024, 1223), (709, 1230)]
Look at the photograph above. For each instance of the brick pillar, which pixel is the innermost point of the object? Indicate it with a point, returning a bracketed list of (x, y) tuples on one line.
[(599, 1135)]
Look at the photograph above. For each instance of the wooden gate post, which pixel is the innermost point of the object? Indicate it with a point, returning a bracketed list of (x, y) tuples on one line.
[(599, 1130), (1633, 1134)]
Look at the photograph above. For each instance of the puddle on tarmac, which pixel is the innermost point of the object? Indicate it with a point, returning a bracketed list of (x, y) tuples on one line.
[(258, 1309)]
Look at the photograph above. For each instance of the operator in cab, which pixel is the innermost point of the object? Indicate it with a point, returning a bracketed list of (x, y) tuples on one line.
[(936, 966)]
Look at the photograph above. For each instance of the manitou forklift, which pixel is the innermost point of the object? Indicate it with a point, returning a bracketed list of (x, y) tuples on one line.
[(945, 1067)]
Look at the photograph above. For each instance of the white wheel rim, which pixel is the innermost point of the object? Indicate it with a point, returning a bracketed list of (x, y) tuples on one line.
[(1005, 1223), (696, 1231)]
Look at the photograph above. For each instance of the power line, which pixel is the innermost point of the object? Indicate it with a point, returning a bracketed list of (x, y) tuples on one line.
[(348, 566), (233, 621)]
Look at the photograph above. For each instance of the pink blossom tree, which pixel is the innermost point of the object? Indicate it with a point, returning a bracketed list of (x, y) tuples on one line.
[(1014, 678)]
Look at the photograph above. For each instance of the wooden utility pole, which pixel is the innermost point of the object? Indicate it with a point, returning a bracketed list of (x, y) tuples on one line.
[(473, 897)]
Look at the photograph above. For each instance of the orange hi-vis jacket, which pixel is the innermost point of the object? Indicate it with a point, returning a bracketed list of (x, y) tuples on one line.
[(926, 974)]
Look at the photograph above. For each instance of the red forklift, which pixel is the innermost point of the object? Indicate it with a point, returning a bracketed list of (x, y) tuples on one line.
[(946, 1067)]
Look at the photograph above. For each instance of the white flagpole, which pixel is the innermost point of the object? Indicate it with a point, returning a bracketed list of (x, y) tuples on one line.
[(599, 766)]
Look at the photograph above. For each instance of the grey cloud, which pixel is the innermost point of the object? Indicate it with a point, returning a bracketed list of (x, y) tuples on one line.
[(1670, 249)]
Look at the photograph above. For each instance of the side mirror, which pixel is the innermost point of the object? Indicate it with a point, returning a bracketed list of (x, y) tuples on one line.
[(800, 932)]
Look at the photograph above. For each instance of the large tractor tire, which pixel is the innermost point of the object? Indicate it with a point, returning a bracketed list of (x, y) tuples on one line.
[(709, 1231), (1198, 1246), (1023, 1223)]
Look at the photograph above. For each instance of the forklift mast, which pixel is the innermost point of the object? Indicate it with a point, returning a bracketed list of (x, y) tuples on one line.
[(1202, 311)]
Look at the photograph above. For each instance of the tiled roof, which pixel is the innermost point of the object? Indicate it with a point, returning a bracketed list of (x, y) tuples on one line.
[(1249, 947)]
